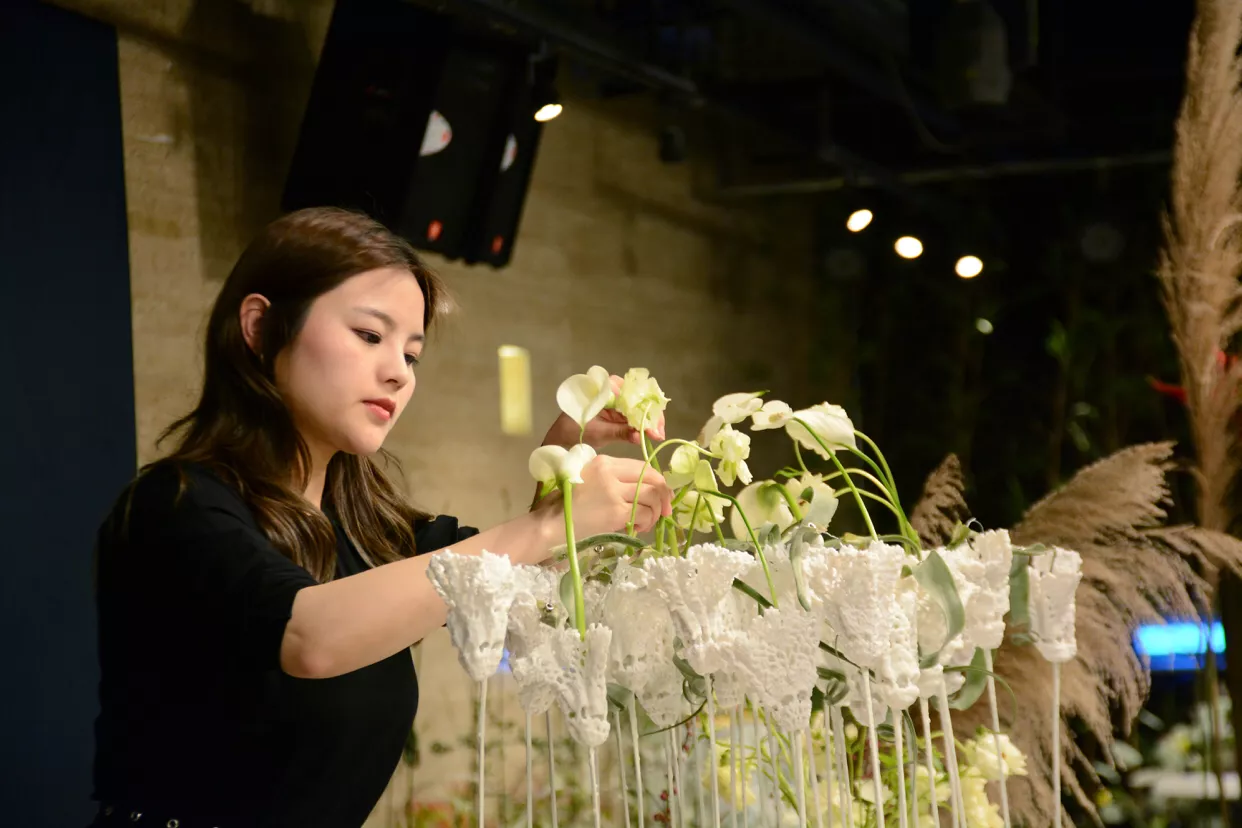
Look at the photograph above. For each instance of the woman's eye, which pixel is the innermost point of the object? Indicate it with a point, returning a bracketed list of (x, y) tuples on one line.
[(370, 337), (411, 360)]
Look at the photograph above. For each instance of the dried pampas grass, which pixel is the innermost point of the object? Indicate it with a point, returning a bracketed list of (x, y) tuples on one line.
[(1135, 571), (943, 504), (1202, 255)]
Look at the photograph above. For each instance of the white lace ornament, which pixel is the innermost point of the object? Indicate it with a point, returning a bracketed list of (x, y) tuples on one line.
[(862, 610), (662, 696), (778, 660), (933, 627), (536, 674), (695, 589), (729, 685), (582, 682), (985, 562), (479, 590), (1054, 580), (898, 673), (536, 611), (642, 630)]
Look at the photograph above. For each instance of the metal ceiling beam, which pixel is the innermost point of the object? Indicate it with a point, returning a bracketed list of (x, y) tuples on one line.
[(848, 65), (611, 59)]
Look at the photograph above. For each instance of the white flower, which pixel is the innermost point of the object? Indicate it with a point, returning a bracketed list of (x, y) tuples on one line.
[(641, 400), (980, 753), (555, 464), (583, 396), (681, 466), (829, 422), (815, 499), (773, 414), (762, 504), (980, 811), (704, 511), (730, 409), (732, 447)]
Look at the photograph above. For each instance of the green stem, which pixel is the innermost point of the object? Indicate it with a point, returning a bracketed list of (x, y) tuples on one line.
[(567, 489), (792, 501), (650, 458), (767, 572), (875, 497), (848, 482)]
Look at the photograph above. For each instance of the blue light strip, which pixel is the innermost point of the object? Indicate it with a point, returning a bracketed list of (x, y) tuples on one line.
[(1177, 646)]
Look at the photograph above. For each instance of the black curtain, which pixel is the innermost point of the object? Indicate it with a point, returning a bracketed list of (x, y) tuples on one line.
[(67, 443)]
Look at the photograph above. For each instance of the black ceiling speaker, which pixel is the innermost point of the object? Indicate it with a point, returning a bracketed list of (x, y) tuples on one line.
[(423, 123)]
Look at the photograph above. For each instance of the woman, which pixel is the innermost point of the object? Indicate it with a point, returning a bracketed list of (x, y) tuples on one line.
[(258, 590)]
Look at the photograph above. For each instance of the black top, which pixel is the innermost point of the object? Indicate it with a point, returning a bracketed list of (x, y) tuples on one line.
[(197, 719)]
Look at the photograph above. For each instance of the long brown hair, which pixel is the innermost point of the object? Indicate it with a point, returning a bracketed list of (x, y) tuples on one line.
[(241, 428)]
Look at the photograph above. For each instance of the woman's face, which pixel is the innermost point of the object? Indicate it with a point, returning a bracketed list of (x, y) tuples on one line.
[(349, 372)]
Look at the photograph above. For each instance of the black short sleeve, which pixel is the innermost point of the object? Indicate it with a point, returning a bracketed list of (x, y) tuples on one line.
[(197, 549), (440, 532)]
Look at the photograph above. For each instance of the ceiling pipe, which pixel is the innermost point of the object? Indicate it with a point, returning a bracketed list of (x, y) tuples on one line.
[(613, 60)]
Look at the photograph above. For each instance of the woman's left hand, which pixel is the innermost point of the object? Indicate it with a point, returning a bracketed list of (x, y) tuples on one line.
[(609, 426)]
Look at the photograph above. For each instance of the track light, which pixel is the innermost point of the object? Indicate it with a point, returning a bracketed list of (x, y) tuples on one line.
[(858, 220), (968, 267), (908, 247)]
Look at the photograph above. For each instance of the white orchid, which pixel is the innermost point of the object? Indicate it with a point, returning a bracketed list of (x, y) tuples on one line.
[(773, 414), (732, 447), (699, 513), (554, 465), (583, 396), (815, 498), (640, 400), (829, 422), (729, 410), (681, 466), (981, 753)]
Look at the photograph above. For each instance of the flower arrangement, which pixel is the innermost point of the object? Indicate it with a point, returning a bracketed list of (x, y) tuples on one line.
[(793, 654)]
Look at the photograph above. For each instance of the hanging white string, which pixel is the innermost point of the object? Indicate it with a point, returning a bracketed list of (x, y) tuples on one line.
[(775, 756), (700, 805), (480, 743), (873, 743), (1056, 744), (551, 769), (640, 790), (830, 759), (799, 780), (594, 765), (735, 756), (931, 764), (843, 767), (996, 737), (711, 752), (900, 750), (625, 788), (950, 755), (809, 744), (530, 782)]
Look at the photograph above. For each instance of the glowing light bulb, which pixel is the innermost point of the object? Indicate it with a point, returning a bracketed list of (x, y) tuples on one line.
[(983, 326), (908, 247), (968, 267), (547, 112), (858, 220)]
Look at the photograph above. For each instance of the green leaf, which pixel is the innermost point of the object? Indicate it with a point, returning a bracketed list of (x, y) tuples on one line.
[(1020, 592), (747, 589), (796, 547), (976, 681), (837, 687), (619, 697), (961, 533), (933, 574)]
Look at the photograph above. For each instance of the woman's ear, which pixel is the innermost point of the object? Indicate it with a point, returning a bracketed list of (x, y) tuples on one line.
[(253, 309)]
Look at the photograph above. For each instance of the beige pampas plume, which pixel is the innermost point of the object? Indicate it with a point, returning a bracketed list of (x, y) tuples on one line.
[(943, 504), (1202, 255)]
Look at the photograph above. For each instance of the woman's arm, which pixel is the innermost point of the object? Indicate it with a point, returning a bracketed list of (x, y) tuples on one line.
[(349, 623)]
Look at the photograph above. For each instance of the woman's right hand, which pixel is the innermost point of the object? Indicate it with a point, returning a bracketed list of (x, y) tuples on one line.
[(602, 502)]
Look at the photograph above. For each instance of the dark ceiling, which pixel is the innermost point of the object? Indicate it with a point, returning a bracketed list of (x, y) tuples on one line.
[(899, 94)]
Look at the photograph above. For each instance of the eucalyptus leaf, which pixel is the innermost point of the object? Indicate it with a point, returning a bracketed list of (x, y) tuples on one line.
[(976, 681), (746, 589), (566, 590), (934, 575), (619, 697)]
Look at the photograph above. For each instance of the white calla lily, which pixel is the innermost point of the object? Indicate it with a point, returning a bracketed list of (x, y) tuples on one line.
[(829, 422), (815, 498), (583, 396), (553, 465)]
